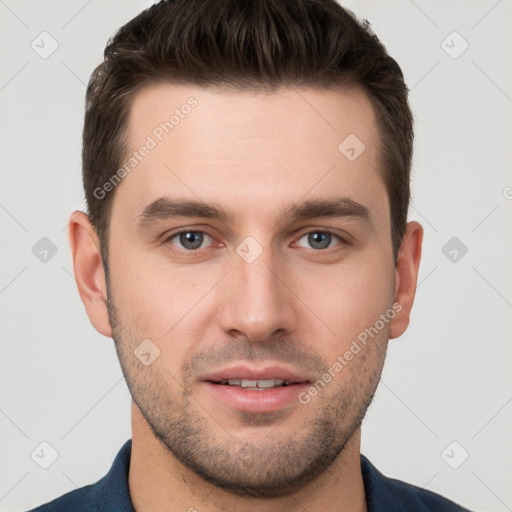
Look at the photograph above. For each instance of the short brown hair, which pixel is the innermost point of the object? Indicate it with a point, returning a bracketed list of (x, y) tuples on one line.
[(255, 45)]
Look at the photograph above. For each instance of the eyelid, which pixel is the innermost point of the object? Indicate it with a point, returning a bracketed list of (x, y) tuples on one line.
[(342, 235)]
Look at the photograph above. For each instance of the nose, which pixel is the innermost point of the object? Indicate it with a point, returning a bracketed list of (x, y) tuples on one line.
[(257, 300)]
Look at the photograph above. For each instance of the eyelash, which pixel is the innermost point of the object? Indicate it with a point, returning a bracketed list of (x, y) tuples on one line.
[(193, 252)]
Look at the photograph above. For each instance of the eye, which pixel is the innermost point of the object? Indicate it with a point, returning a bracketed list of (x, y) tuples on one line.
[(189, 240), (193, 240), (320, 239)]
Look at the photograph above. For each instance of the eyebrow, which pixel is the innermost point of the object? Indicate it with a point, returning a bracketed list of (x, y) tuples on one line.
[(164, 208)]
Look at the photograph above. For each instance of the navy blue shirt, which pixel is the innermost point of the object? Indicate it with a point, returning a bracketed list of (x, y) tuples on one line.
[(111, 493)]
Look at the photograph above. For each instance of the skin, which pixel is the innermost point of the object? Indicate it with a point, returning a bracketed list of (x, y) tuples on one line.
[(296, 305)]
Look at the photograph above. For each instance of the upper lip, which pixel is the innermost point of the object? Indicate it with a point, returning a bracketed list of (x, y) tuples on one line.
[(252, 373)]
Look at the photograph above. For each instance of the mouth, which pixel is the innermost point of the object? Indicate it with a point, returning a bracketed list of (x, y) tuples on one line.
[(256, 390), (256, 385)]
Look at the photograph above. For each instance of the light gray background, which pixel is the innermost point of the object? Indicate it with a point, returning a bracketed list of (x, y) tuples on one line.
[(447, 379)]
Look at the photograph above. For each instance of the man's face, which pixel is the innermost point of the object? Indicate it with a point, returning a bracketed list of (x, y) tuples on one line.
[(261, 288)]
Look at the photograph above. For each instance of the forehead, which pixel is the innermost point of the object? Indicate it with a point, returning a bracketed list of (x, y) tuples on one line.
[(251, 150), (160, 109)]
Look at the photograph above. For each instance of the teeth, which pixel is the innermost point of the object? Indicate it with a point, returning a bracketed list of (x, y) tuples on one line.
[(245, 383), (256, 384)]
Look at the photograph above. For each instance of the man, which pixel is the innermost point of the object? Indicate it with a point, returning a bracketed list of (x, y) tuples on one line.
[(246, 167)]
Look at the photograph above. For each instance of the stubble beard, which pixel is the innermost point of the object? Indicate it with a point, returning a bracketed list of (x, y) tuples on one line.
[(271, 466)]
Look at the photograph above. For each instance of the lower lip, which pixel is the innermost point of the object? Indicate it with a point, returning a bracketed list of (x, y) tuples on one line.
[(250, 400)]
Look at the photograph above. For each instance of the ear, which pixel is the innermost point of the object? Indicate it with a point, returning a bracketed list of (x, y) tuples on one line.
[(89, 271), (406, 277)]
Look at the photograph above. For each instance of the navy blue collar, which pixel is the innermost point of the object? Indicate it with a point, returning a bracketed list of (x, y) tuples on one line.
[(113, 490)]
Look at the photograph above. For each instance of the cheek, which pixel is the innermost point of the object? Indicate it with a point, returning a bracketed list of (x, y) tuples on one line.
[(346, 299), (164, 303), (145, 291)]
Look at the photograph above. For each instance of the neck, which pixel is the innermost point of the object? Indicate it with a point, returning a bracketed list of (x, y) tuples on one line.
[(159, 482)]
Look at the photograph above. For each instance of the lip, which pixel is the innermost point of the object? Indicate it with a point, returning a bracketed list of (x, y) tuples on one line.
[(253, 400)]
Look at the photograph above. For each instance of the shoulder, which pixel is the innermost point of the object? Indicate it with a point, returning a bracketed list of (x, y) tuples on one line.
[(109, 493), (80, 500), (385, 494)]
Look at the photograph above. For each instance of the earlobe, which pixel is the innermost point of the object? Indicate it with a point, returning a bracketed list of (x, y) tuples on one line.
[(89, 271), (406, 277)]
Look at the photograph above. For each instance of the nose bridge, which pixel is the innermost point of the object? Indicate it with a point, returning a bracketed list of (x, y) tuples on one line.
[(257, 302)]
